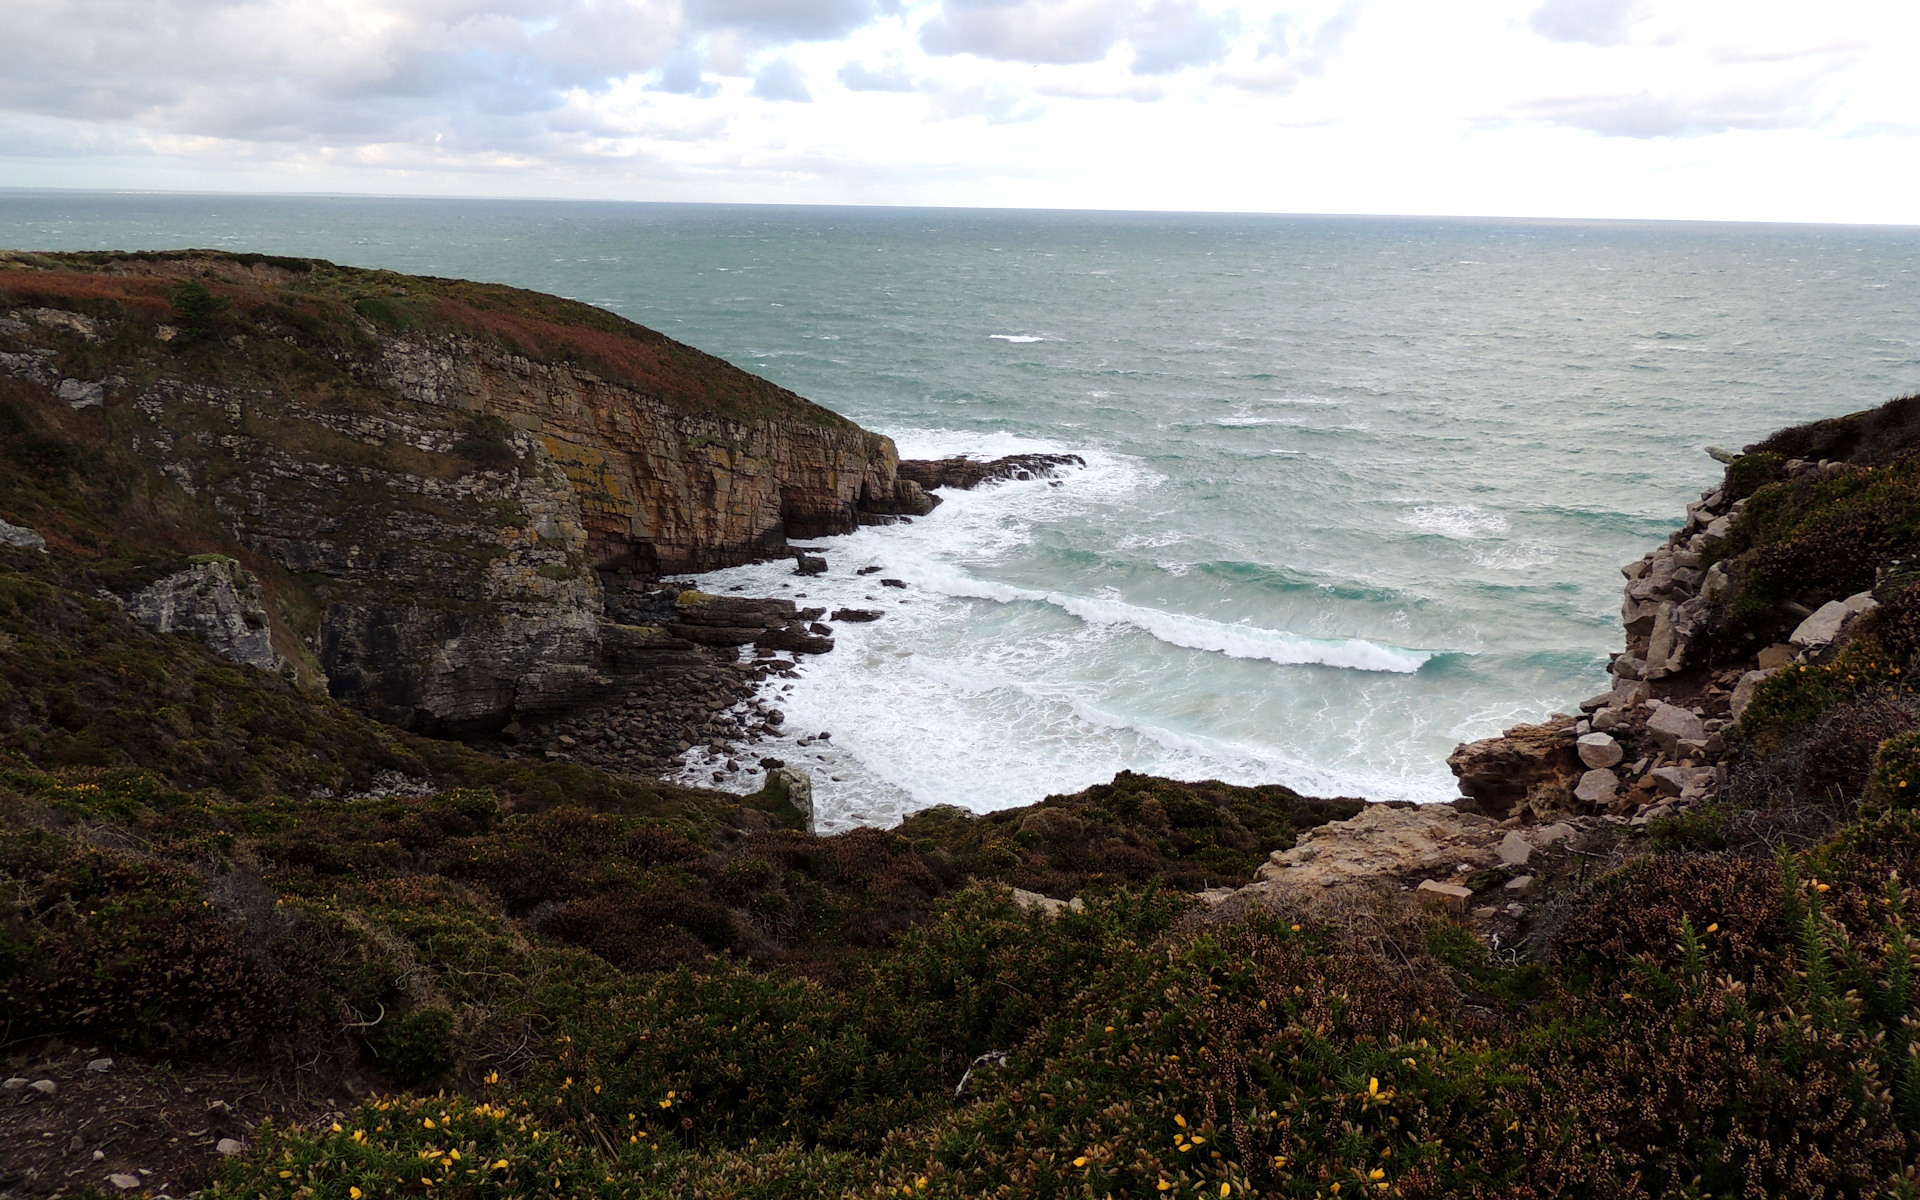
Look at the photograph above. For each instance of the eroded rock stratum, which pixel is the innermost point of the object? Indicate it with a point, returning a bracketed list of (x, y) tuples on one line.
[(438, 470)]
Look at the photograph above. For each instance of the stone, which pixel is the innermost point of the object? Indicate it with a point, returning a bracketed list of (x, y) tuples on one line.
[(1605, 719), (230, 1147), (968, 473), (1597, 787), (1520, 886), (46, 1087), (14, 1084), (100, 1065), (1047, 904), (1663, 642), (1717, 529), (125, 1183), (1670, 781), (1714, 587), (1547, 835), (857, 614), (79, 393), (1451, 897), (1530, 767), (1743, 691), (1596, 702), (1670, 724), (217, 601), (1600, 750), (792, 786), (21, 536), (807, 564), (893, 583), (1830, 619), (1774, 657), (1384, 842), (1515, 849)]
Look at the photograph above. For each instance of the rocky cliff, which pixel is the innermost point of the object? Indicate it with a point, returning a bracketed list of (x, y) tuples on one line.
[(429, 476)]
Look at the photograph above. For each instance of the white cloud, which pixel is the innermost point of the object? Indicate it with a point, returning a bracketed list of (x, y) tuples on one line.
[(1695, 107), (779, 79)]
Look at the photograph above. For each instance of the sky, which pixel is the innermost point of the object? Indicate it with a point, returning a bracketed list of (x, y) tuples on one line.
[(1685, 109)]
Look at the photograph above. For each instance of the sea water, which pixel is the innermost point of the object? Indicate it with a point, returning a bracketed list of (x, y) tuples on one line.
[(1356, 489)]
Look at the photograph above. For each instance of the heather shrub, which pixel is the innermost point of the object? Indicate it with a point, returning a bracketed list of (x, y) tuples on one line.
[(415, 1049), (1896, 771)]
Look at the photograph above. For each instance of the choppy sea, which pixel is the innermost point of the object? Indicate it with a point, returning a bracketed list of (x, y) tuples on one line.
[(1356, 490)]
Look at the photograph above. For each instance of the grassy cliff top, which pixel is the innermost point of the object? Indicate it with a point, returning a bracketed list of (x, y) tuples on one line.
[(315, 314)]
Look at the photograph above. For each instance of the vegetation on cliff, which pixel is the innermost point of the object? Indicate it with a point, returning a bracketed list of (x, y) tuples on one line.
[(488, 979)]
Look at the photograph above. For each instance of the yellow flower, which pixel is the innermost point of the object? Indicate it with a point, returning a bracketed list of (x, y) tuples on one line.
[(286, 1174), (1179, 1120), (336, 1127), (666, 1104), (454, 1155), (1714, 928), (1296, 929), (1109, 1029), (1373, 1087), (1226, 1189), (1165, 1186), (428, 1122), (1377, 1173), (1081, 1161), (354, 1193), (1198, 1140), (501, 1165), (1279, 1161)]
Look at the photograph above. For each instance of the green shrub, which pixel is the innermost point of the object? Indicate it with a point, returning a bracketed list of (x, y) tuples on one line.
[(1896, 771), (414, 1050), (1750, 472)]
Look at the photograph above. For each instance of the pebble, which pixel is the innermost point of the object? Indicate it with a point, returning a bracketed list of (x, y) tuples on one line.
[(14, 1084), (124, 1182), (46, 1087), (229, 1146), (101, 1065)]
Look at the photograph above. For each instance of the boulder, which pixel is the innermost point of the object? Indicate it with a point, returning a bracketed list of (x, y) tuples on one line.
[(1449, 896), (1514, 849), (1597, 787), (1047, 904), (1670, 724), (1599, 750), (1744, 690), (1530, 767), (1830, 620), (792, 786), (217, 601), (1382, 843), (1775, 656), (21, 536), (856, 614), (1663, 643), (807, 564)]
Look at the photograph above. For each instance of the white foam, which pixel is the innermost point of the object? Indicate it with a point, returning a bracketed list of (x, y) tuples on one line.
[(1455, 520), (1238, 422), (1017, 338)]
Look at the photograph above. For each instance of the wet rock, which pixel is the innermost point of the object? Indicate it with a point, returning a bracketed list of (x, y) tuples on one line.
[(893, 583), (857, 614), (807, 564), (966, 473)]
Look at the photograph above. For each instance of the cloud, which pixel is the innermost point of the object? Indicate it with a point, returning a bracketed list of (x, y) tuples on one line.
[(1602, 22), (684, 74), (288, 70), (1173, 35), (1029, 31), (783, 20), (781, 80), (1291, 54), (1646, 115), (889, 77)]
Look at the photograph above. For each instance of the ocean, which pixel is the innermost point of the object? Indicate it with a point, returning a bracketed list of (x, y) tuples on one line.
[(1357, 489)]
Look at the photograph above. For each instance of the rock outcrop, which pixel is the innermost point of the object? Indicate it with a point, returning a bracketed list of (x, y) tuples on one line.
[(1531, 769), (216, 600), (447, 473), (967, 473)]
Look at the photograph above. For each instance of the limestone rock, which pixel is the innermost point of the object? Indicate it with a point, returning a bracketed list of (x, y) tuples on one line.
[(1384, 842), (21, 536), (1520, 886), (1529, 767), (1597, 787), (1775, 656), (1047, 904), (1514, 849), (794, 786), (216, 600), (1744, 690), (228, 1147), (1600, 750), (1448, 896), (1670, 724), (1830, 619)]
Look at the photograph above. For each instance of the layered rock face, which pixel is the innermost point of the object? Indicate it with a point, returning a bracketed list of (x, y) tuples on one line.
[(441, 469)]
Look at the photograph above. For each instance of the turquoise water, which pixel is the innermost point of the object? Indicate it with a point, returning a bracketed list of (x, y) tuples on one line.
[(1357, 488)]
